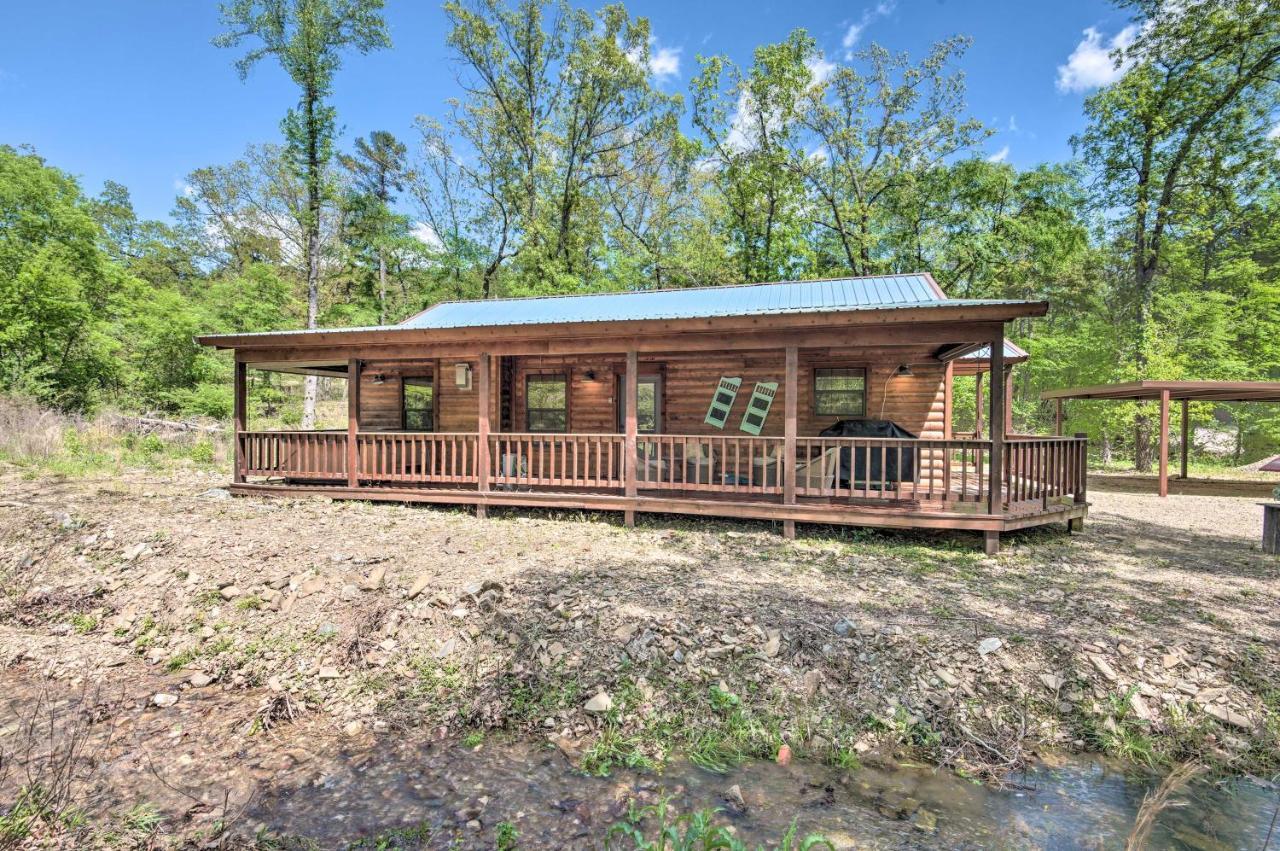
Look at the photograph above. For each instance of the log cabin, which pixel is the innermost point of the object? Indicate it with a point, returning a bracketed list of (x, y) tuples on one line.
[(815, 401)]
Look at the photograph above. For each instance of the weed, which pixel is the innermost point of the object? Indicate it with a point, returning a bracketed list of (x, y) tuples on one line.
[(84, 623), (250, 603), (505, 836), (474, 739)]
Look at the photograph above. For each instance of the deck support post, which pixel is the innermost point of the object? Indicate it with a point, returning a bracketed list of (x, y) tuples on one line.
[(482, 432), (991, 542), (1081, 486), (239, 420), (353, 423), (996, 488), (791, 391), (1008, 398), (1186, 439), (630, 390), (1164, 443)]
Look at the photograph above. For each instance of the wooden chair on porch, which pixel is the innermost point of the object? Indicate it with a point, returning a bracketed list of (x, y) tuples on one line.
[(820, 471)]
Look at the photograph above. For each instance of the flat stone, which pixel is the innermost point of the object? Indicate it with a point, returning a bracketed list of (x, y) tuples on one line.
[(373, 581), (230, 592), (1228, 716), (1104, 668), (419, 585), (773, 644), (163, 699), (989, 645), (200, 680), (329, 672), (1052, 682), (311, 586), (950, 679), (602, 702)]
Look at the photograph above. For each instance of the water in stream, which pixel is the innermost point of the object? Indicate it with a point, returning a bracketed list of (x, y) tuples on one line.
[(1076, 803)]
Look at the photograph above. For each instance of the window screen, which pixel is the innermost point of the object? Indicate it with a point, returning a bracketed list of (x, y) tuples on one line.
[(418, 404), (840, 392), (546, 403)]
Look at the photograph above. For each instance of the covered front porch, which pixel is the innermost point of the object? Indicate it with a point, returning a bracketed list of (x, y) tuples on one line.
[(659, 456)]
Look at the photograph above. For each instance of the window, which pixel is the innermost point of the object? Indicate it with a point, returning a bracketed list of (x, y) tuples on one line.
[(840, 392), (648, 404), (546, 403), (417, 401)]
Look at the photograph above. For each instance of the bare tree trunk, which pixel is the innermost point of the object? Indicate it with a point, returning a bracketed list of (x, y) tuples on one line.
[(382, 288), (313, 247)]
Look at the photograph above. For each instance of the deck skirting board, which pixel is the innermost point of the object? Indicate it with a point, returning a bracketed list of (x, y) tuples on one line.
[(852, 515)]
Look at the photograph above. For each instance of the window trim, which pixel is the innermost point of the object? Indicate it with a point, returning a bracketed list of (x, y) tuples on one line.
[(544, 376), (412, 380), (814, 393)]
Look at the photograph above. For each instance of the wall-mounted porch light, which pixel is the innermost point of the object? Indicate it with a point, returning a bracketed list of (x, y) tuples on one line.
[(903, 369), (462, 376)]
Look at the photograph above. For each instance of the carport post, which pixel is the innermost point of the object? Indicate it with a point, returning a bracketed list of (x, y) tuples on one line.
[(1164, 443), (1186, 440)]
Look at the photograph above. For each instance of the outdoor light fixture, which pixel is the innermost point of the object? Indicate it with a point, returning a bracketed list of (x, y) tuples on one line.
[(462, 375), (591, 375), (379, 378), (903, 369)]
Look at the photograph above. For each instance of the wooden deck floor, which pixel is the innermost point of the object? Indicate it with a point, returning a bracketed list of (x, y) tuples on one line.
[(903, 515)]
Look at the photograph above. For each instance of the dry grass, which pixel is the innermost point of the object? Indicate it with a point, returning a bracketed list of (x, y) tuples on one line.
[(44, 441)]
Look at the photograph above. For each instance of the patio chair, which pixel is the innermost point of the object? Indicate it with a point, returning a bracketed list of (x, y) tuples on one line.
[(699, 462), (819, 471)]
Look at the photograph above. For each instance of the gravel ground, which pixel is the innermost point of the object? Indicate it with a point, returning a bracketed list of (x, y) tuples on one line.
[(1153, 635), (1210, 516)]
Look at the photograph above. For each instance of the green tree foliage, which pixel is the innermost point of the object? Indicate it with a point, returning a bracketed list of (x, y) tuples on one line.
[(562, 167), (307, 38)]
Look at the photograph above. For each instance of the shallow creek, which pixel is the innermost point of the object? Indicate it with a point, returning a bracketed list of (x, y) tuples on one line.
[(1073, 803)]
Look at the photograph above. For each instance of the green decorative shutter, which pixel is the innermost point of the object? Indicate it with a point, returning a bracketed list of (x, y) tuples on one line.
[(722, 402), (758, 407)]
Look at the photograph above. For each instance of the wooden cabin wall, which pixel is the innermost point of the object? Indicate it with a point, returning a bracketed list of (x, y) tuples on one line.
[(916, 402)]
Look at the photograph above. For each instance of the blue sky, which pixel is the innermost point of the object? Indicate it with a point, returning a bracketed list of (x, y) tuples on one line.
[(132, 90)]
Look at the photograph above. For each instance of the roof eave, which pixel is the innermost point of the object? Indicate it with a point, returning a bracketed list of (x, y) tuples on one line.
[(986, 311)]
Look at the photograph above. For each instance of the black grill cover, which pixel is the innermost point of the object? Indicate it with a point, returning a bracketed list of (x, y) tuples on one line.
[(873, 428)]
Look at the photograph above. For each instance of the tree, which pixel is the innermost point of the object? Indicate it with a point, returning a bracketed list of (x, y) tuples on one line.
[(876, 133), (750, 124), (1186, 123), (378, 169), (307, 38)]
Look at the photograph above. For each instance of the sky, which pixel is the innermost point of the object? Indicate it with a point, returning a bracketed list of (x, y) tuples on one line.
[(133, 90)]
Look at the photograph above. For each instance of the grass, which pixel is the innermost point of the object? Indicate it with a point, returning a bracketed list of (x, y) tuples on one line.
[(660, 828), (43, 442)]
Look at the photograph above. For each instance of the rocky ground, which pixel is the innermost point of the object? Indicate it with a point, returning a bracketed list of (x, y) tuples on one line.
[(240, 632)]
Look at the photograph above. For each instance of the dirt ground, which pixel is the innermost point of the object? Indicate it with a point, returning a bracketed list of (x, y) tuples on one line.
[(1152, 635)]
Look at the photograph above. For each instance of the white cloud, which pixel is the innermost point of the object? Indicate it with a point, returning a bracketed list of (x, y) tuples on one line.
[(999, 156), (855, 30), (820, 69), (183, 188), (664, 62), (1274, 133), (1091, 64), (1013, 124), (427, 235)]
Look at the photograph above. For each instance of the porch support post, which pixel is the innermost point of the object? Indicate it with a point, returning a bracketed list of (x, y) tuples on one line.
[(1186, 438), (353, 423), (948, 406), (1057, 417), (977, 407), (1164, 443), (995, 495), (239, 420), (482, 432), (1008, 397), (631, 393), (791, 392)]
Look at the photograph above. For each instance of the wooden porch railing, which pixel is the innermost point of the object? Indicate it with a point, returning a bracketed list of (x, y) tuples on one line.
[(556, 460), (1036, 471), (418, 457), (300, 454), (723, 464)]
